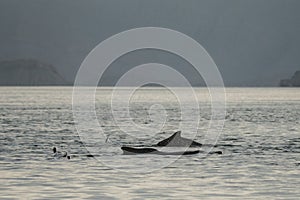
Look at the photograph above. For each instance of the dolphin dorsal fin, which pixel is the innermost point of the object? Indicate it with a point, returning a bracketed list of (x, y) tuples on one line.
[(166, 141), (176, 134), (177, 140)]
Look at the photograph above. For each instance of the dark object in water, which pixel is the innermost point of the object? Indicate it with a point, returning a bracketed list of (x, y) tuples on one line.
[(176, 140), (216, 152), (58, 154), (133, 151)]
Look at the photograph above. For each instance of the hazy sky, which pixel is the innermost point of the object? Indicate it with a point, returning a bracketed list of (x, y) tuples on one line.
[(253, 42)]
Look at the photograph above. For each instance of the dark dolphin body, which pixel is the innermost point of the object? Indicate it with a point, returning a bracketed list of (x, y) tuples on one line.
[(176, 140), (133, 151)]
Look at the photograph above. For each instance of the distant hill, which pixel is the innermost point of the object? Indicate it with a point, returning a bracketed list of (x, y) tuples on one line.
[(293, 82), (29, 72)]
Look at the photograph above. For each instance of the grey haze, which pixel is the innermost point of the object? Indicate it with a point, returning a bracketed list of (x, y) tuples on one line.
[(253, 42)]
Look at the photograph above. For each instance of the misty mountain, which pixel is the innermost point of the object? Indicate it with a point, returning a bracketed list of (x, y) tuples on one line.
[(29, 72), (292, 82)]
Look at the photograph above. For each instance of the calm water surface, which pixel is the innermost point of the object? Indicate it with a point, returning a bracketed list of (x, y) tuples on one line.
[(260, 144)]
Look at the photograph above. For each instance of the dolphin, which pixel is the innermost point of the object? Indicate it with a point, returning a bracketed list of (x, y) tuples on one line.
[(176, 140), (132, 151)]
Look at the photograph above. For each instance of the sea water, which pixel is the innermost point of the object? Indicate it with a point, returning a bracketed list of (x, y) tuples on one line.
[(260, 142)]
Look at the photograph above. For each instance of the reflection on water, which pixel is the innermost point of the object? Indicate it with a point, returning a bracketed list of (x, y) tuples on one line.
[(260, 141)]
